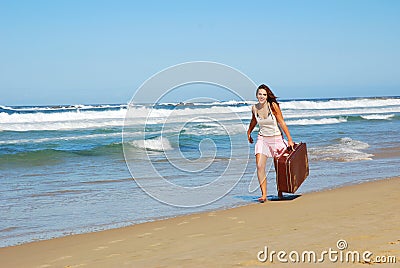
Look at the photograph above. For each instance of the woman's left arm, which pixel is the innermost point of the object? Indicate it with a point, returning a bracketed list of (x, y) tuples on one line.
[(279, 117)]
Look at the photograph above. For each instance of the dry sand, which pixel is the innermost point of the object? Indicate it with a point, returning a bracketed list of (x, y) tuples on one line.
[(367, 216)]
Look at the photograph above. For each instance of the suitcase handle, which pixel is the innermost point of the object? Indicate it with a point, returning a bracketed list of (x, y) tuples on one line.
[(296, 144), (291, 148)]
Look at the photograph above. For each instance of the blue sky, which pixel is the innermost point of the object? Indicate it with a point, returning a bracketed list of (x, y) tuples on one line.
[(63, 52)]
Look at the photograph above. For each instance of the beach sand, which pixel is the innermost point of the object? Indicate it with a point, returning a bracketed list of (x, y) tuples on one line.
[(366, 215)]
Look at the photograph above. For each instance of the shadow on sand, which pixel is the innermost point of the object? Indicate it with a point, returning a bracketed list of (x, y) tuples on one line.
[(274, 198)]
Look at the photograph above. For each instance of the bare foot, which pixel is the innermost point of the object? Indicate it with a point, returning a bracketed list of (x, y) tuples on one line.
[(262, 199)]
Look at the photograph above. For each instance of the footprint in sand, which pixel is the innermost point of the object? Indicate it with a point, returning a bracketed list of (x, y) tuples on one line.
[(195, 218), (100, 248), (181, 223), (143, 235), (232, 218), (195, 235), (62, 258), (159, 228), (113, 255), (74, 266), (116, 241)]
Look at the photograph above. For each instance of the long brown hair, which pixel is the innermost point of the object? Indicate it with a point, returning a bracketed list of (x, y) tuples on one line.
[(271, 96)]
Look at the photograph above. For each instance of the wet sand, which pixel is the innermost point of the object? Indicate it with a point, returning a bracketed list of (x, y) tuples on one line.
[(366, 216)]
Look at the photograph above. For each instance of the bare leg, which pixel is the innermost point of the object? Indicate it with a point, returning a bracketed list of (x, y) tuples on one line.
[(261, 161)]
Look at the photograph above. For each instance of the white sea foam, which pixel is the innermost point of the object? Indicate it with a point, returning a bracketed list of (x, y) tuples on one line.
[(231, 102), (224, 128), (158, 144), (63, 138), (340, 112), (354, 144), (63, 107), (343, 150), (60, 117), (38, 126), (321, 121), (295, 112), (340, 104), (378, 116)]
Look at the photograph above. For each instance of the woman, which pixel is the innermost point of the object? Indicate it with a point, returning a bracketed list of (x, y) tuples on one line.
[(270, 140)]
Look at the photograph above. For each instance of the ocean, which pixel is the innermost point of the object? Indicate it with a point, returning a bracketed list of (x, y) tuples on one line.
[(63, 168)]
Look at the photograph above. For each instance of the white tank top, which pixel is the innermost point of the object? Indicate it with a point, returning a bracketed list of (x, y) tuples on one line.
[(268, 126)]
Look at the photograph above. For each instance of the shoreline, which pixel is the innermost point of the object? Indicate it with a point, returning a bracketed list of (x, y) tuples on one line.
[(271, 198), (363, 214)]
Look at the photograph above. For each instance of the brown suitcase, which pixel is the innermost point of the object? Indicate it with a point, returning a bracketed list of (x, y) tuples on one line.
[(291, 168)]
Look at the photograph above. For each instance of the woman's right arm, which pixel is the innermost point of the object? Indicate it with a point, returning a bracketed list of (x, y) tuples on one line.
[(252, 125)]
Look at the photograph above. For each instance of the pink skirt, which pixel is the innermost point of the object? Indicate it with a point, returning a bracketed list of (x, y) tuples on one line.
[(270, 146)]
